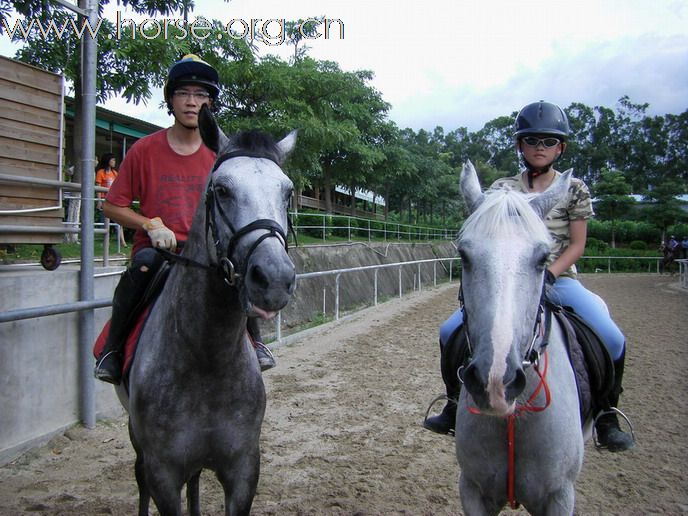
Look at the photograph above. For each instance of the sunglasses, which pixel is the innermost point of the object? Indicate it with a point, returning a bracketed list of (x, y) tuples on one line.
[(534, 141)]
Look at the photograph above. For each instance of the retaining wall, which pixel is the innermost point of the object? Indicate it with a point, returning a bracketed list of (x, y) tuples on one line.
[(39, 389)]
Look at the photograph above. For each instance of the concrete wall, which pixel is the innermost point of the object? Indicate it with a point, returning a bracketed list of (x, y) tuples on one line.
[(39, 385), (39, 391)]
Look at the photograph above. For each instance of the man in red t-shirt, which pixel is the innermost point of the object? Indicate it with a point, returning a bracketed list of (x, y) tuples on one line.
[(166, 172)]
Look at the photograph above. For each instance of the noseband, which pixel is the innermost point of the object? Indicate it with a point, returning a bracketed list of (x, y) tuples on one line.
[(227, 268)]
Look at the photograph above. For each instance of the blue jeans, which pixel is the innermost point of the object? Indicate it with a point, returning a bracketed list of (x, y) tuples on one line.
[(568, 292)]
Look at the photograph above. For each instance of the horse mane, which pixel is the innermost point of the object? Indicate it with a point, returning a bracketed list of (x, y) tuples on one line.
[(504, 212), (256, 143)]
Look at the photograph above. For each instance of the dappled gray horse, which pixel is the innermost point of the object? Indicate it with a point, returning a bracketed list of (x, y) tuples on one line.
[(518, 428), (196, 397)]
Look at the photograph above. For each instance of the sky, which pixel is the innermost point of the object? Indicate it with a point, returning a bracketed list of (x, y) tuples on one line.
[(460, 63)]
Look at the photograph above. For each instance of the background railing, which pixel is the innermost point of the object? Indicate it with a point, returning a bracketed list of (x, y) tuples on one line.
[(324, 225)]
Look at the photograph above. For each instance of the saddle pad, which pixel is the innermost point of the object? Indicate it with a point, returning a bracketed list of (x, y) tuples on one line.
[(130, 344), (595, 371)]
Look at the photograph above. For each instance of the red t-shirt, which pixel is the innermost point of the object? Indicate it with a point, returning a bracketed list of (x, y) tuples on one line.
[(168, 185)]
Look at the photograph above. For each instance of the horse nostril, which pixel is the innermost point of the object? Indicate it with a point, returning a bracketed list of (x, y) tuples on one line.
[(515, 387), (259, 278), (471, 379)]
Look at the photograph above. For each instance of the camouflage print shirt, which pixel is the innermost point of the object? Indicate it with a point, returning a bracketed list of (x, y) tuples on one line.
[(577, 205)]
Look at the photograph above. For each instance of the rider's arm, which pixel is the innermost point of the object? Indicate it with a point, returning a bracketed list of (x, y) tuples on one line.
[(578, 233)]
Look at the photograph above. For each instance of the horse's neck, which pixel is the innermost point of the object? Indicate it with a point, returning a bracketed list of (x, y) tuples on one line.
[(200, 300)]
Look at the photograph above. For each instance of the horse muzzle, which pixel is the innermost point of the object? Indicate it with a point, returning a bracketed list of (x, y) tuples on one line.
[(494, 395), (269, 280)]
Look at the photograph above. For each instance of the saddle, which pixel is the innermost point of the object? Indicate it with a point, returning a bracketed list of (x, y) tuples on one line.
[(137, 319), (591, 362)]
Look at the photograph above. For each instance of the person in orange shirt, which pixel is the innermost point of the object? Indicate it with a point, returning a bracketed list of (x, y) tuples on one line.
[(106, 173)]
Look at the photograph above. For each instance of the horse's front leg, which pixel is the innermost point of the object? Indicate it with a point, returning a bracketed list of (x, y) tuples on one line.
[(164, 484), (239, 481), (473, 502), (144, 495)]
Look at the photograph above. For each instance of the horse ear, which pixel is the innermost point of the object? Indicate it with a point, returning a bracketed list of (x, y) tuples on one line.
[(470, 187), (543, 203), (287, 144), (211, 134)]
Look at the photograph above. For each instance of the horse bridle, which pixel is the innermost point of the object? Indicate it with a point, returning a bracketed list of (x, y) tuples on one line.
[(541, 329), (227, 268)]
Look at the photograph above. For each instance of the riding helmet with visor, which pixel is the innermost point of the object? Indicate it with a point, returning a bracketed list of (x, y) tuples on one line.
[(191, 70)]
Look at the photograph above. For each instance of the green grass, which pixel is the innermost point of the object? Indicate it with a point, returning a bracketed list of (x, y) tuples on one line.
[(23, 253)]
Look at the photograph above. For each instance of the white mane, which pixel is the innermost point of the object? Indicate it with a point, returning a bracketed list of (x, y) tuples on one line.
[(504, 212)]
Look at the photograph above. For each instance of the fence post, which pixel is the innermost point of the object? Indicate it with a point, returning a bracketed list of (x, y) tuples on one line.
[(336, 297), (348, 223), (399, 281), (368, 230), (278, 327), (419, 279), (375, 286)]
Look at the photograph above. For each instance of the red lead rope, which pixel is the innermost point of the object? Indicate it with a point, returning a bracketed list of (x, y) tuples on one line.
[(511, 424)]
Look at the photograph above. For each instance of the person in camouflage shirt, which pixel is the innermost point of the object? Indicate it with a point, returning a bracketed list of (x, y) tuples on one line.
[(541, 132), (577, 206)]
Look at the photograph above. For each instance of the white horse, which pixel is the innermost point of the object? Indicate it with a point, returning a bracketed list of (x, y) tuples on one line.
[(518, 429)]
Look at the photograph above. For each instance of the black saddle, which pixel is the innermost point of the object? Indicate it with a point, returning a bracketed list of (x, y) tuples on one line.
[(592, 364)]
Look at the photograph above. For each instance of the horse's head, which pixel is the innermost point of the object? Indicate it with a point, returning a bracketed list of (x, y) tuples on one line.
[(504, 245), (247, 200)]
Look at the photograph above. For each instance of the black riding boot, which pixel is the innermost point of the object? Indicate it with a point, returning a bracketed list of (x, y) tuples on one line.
[(127, 303), (265, 357), (609, 434), (451, 357)]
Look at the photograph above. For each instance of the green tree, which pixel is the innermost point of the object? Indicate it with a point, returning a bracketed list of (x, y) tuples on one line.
[(613, 200)]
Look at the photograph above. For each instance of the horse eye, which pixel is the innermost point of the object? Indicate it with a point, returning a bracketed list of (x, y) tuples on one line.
[(221, 191)]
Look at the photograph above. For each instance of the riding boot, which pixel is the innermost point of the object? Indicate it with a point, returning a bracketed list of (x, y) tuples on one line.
[(126, 305), (452, 356), (266, 360), (609, 434)]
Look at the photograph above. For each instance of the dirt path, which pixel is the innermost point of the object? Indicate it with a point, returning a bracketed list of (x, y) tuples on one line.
[(342, 431)]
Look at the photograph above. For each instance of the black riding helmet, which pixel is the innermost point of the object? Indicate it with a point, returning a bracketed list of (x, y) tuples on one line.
[(540, 119), (191, 70)]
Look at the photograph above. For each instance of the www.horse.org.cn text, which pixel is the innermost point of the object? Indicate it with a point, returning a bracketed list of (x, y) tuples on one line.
[(270, 31)]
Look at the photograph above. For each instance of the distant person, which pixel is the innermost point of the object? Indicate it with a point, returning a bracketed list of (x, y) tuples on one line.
[(673, 245), (684, 248), (106, 173)]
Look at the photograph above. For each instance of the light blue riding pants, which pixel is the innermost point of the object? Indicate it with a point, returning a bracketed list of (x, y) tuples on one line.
[(568, 292)]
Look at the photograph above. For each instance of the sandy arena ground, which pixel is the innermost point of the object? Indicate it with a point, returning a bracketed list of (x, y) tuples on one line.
[(342, 431)]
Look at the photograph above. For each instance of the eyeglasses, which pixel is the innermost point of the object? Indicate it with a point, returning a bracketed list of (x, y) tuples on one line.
[(534, 141), (200, 95)]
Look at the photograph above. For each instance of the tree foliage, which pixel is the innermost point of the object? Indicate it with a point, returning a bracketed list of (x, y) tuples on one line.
[(345, 136)]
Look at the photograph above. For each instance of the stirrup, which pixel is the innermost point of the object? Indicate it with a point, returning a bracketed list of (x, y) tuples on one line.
[(441, 397), (615, 411)]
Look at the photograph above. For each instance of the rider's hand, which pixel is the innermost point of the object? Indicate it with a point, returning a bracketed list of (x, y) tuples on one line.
[(550, 279), (161, 236)]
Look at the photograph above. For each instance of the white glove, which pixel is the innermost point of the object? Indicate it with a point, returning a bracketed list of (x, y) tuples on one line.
[(161, 236)]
